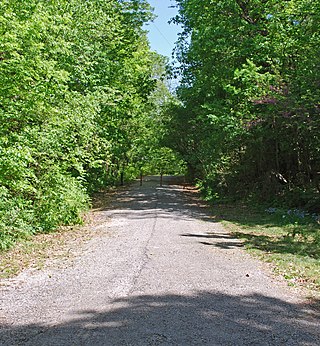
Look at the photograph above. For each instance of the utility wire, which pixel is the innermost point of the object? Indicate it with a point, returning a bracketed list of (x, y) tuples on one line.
[(170, 44)]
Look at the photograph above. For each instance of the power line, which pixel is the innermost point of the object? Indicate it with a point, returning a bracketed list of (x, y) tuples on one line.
[(169, 43)]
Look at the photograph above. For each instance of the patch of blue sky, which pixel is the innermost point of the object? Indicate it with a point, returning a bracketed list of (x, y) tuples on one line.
[(162, 34)]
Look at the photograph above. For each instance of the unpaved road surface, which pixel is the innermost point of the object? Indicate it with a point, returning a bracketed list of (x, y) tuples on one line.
[(161, 272)]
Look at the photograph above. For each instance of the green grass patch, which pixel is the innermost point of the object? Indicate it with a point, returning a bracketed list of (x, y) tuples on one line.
[(287, 239)]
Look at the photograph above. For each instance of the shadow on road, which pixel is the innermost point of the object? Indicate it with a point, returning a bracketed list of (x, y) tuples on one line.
[(172, 200), (227, 241), (272, 232), (204, 318)]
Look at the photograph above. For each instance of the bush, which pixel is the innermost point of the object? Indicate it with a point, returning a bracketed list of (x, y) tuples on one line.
[(60, 200), (16, 219)]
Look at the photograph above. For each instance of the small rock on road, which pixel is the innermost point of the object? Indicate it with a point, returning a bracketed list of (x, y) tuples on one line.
[(161, 272)]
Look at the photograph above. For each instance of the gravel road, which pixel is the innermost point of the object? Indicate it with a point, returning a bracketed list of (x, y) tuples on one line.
[(161, 272)]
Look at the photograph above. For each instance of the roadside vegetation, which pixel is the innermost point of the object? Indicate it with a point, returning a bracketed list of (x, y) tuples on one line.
[(287, 239), (44, 250), (250, 99), (250, 105), (85, 105), (81, 95)]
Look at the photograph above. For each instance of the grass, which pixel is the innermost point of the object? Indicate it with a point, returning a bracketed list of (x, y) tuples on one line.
[(268, 236), (43, 250), (292, 246)]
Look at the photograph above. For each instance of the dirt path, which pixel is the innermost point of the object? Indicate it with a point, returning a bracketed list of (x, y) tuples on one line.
[(162, 272)]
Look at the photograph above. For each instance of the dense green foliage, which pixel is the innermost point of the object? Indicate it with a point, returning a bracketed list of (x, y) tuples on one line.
[(77, 95), (83, 102), (250, 98)]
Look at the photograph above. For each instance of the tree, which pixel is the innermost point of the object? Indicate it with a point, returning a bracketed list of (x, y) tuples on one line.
[(249, 93), (74, 80)]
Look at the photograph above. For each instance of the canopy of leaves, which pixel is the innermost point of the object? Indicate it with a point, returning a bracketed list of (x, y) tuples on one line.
[(250, 96), (78, 94)]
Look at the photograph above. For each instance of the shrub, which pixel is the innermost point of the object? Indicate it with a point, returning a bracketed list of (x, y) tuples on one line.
[(16, 218), (60, 200)]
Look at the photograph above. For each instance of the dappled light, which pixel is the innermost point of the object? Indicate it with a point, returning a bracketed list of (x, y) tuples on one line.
[(204, 317), (176, 199), (161, 271), (172, 200)]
